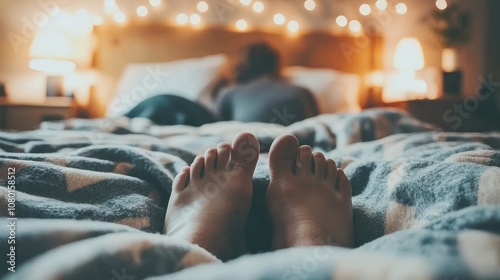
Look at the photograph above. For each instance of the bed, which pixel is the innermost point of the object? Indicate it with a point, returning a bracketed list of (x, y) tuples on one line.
[(91, 195)]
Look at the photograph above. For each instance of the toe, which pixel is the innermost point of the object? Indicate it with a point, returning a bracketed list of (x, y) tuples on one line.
[(245, 152), (343, 184), (223, 153), (210, 159), (305, 158), (283, 155), (197, 168), (331, 172), (319, 165), (181, 180)]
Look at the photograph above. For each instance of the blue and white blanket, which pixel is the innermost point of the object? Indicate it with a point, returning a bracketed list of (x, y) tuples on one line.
[(90, 199)]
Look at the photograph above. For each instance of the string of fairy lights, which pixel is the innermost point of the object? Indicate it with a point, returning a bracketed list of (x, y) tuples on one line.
[(280, 19)]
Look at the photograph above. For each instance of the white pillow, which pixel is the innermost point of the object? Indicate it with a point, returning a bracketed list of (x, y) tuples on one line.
[(335, 91), (190, 78)]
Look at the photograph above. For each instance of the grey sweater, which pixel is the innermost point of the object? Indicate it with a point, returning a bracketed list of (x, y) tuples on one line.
[(268, 101)]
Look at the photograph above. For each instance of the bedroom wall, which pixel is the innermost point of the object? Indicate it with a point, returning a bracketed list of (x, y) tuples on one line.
[(23, 83)]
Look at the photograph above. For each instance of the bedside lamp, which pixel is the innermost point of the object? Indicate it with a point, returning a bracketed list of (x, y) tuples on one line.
[(52, 52), (408, 58), (409, 55)]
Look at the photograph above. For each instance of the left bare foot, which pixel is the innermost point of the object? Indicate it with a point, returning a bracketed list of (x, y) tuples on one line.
[(211, 200)]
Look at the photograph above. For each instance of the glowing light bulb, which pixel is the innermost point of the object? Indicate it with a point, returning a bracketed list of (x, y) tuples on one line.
[(293, 26), (195, 19), (279, 19), (381, 4), (155, 3), (182, 19), (310, 5), (401, 8), (441, 4), (241, 25), (202, 6), (341, 21), (246, 2), (258, 7), (365, 9), (119, 17), (142, 11), (355, 26)]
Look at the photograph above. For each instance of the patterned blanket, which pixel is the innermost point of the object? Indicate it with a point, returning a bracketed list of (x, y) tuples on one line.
[(86, 199)]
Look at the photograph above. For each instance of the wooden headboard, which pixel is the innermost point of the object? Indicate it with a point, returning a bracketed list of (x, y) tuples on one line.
[(118, 46)]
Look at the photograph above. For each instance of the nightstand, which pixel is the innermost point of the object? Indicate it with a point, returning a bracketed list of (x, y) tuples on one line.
[(453, 114), (28, 116)]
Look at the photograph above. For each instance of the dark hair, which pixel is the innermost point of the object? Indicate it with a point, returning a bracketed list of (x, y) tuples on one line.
[(258, 60)]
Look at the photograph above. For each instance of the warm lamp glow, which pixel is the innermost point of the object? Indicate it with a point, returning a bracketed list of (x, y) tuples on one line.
[(310, 5), (409, 55), (52, 66), (258, 7), (365, 9), (61, 46), (449, 60), (202, 7), (83, 21), (403, 85), (341, 21), (375, 79), (97, 20), (241, 25), (420, 86), (279, 19), (52, 44)]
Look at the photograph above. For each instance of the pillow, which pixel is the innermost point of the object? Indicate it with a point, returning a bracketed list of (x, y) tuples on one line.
[(189, 78), (335, 91)]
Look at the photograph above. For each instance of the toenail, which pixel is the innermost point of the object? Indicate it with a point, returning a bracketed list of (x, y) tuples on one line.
[(198, 158), (222, 145), (320, 155)]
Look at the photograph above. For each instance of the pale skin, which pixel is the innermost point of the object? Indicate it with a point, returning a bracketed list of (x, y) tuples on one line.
[(308, 198)]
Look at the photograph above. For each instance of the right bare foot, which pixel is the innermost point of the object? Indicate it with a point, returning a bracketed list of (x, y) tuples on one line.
[(210, 201), (308, 198)]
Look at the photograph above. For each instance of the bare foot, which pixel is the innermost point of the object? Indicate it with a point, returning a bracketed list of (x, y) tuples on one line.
[(309, 199), (211, 200)]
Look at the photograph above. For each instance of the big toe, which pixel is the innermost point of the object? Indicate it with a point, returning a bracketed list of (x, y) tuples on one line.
[(283, 154), (245, 151)]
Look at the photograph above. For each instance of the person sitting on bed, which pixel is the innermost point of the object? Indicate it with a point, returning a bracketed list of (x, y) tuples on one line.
[(260, 93), (309, 198)]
